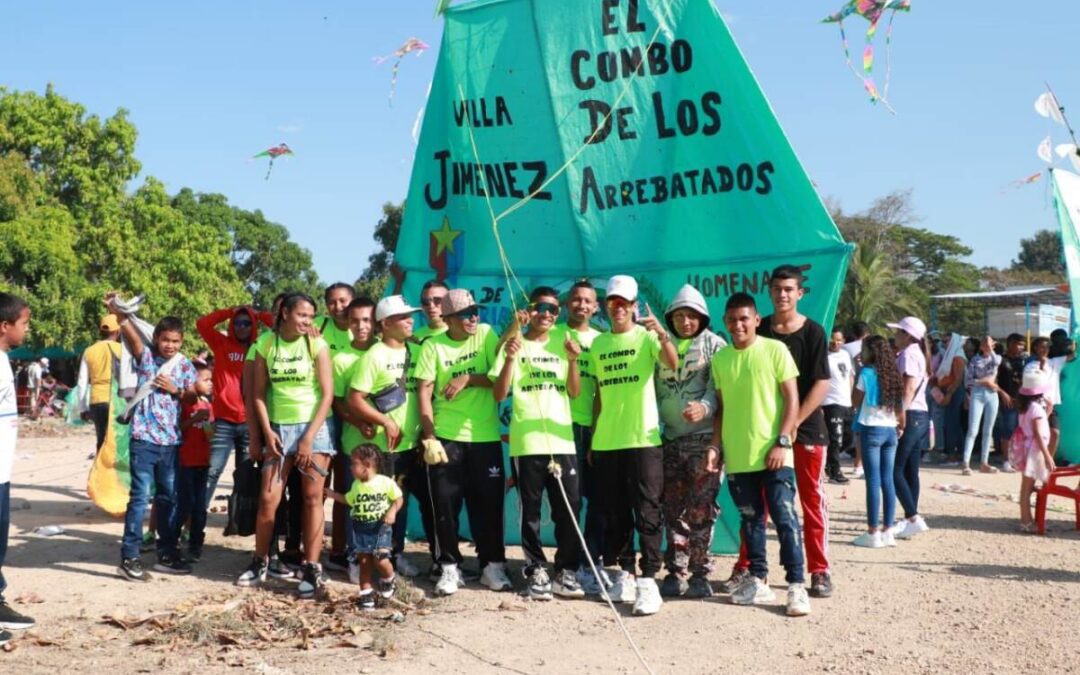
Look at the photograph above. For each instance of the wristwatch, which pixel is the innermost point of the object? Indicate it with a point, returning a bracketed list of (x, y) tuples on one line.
[(784, 441)]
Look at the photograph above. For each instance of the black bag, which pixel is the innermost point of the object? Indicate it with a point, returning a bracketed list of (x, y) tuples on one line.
[(244, 500), (393, 397)]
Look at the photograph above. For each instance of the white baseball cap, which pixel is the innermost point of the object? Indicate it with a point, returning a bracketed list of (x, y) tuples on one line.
[(911, 325), (393, 305), (622, 286)]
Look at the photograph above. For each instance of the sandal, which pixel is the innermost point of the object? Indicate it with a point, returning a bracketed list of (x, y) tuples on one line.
[(986, 468), (966, 471)]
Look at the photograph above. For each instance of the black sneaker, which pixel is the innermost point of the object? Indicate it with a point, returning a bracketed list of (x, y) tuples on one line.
[(366, 602), (338, 562), (132, 569), (168, 564), (194, 554), (387, 587), (839, 478), (5, 637), (821, 585), (673, 586), (11, 619), (255, 574), (280, 570), (737, 578), (311, 582), (294, 559)]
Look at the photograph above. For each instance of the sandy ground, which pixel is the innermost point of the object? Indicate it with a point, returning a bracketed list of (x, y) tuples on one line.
[(971, 595)]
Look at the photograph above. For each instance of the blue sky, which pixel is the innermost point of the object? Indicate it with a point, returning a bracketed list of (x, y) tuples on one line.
[(209, 84)]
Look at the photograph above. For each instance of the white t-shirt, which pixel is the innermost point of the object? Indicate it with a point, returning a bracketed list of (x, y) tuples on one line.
[(1054, 367), (872, 415), (854, 349), (33, 375), (9, 419), (840, 375)]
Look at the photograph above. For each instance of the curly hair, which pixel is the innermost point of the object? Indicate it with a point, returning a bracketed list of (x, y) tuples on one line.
[(890, 384)]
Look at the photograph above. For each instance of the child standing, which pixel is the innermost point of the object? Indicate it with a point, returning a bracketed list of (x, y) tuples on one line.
[(1030, 448), (197, 427), (374, 501)]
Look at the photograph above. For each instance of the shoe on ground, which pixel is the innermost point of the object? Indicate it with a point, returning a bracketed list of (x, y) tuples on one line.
[(966, 471), (753, 591), (168, 564), (623, 587), (913, 527), (434, 573), (311, 581), (387, 587), (354, 572), (839, 478), (255, 574), (869, 540), (538, 583), (821, 585), (404, 567), (888, 538), (194, 554), (12, 620), (738, 578), (674, 586), (366, 601), (132, 569), (1006, 467), (279, 570), (858, 472), (798, 602), (337, 562), (586, 580), (293, 559), (494, 577), (698, 587), (566, 585), (449, 580), (648, 601)]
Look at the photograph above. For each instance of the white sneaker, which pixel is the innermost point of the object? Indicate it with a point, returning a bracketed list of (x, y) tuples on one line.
[(623, 587), (405, 568), (753, 591), (869, 540), (566, 585), (494, 577), (888, 538), (798, 602), (449, 580), (648, 600), (1006, 467), (538, 584), (913, 527), (897, 528), (859, 473), (354, 572)]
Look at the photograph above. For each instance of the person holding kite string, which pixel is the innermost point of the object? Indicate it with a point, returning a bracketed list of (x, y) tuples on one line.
[(626, 449)]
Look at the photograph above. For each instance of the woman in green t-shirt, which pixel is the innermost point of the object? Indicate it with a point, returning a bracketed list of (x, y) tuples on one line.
[(293, 391)]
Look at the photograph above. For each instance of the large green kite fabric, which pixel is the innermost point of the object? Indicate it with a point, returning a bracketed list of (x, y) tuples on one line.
[(608, 137), (1067, 201)]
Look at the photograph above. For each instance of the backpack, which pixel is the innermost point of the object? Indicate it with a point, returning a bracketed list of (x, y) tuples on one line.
[(1018, 449)]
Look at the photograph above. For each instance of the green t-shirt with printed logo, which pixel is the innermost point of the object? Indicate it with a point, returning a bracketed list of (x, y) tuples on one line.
[(251, 352), (293, 379), (581, 407), (472, 416), (379, 369), (338, 339), (749, 383), (369, 501), (541, 418), (624, 364), (344, 366)]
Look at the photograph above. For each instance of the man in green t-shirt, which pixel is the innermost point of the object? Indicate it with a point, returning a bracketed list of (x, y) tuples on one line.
[(540, 371), (626, 452), (431, 298), (348, 431), (382, 393), (757, 413), (462, 444)]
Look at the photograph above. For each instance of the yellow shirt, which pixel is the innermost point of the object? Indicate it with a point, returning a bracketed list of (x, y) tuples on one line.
[(100, 359)]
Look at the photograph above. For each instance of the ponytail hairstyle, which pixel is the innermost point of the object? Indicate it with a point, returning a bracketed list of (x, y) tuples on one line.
[(288, 304), (926, 345), (890, 384)]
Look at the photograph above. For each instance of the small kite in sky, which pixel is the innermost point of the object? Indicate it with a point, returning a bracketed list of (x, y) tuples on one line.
[(412, 45), (273, 153), (1022, 182), (872, 11)]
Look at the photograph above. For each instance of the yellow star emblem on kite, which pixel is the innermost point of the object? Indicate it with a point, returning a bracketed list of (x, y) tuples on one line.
[(445, 237)]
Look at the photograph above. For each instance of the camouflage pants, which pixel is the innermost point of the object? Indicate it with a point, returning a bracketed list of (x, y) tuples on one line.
[(689, 505)]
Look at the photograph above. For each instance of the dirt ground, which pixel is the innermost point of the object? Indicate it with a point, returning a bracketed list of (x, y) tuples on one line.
[(972, 595)]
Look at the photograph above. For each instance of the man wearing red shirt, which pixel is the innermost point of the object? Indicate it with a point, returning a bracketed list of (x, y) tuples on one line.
[(229, 350)]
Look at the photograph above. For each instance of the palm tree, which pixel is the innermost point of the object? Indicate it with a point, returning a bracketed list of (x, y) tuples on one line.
[(872, 291)]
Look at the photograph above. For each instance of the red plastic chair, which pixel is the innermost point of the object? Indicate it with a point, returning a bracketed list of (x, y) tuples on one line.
[(1052, 488)]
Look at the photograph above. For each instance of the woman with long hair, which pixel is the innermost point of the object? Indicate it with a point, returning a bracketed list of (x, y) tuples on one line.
[(913, 364), (982, 372), (293, 392), (879, 398)]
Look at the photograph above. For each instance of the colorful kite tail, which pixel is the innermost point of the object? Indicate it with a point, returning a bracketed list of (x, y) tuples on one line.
[(269, 169)]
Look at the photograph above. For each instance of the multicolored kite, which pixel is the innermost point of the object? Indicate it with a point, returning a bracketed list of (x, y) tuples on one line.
[(411, 45), (872, 11), (273, 153)]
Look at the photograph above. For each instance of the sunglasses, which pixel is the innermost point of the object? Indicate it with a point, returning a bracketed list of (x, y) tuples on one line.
[(619, 303), (431, 302), (242, 324), (466, 315), (545, 308)]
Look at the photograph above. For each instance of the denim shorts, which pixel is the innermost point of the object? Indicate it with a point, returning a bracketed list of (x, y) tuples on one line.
[(290, 439), (369, 538), (1009, 419)]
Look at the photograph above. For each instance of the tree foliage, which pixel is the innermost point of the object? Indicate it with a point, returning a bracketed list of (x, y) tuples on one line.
[(1042, 253), (374, 279)]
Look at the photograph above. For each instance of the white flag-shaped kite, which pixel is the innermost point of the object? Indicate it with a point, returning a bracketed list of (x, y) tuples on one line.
[(1071, 151), (1047, 106), (1044, 151)]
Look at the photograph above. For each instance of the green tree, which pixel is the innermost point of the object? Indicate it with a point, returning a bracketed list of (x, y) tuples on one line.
[(1041, 253), (871, 291), (374, 279)]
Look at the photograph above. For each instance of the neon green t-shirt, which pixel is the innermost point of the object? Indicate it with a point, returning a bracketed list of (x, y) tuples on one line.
[(421, 334), (472, 416), (748, 381), (379, 369), (293, 380), (337, 339), (344, 366), (582, 407), (541, 420), (624, 364), (369, 502)]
